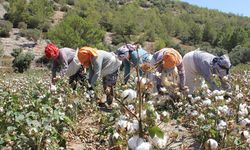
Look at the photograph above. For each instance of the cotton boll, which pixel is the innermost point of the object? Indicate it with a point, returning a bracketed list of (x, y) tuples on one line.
[(52, 88), (115, 105), (166, 82), (216, 93), (87, 96), (123, 124), (194, 113), (243, 110), (223, 110), (143, 114), (133, 127), (244, 122), (144, 146), (219, 98), (158, 74), (131, 108), (163, 89), (129, 95), (239, 96), (211, 144), (134, 142), (207, 102), (201, 117), (165, 114), (245, 134), (115, 136), (228, 100), (160, 142), (222, 125), (204, 86), (158, 117)]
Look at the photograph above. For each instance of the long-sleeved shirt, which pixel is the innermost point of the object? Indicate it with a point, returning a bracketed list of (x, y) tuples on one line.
[(103, 64), (158, 56), (66, 55), (204, 66), (134, 60)]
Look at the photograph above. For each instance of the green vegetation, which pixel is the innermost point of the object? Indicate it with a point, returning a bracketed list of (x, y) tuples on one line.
[(86, 22), (6, 26), (22, 60)]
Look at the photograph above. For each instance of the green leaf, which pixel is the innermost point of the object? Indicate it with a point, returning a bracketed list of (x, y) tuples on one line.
[(237, 141), (155, 131)]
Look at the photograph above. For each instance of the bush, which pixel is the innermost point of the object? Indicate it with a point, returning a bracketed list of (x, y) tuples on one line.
[(75, 32), (71, 2), (22, 60), (239, 55), (31, 34), (43, 61), (117, 39), (6, 27), (159, 44), (45, 26), (22, 25), (33, 22), (64, 8)]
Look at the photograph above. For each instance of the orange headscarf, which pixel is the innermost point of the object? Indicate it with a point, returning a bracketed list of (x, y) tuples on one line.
[(85, 54), (171, 58)]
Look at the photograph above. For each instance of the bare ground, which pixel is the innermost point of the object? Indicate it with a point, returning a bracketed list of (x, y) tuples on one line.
[(85, 135)]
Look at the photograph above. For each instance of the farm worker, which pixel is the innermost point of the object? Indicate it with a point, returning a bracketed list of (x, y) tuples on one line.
[(101, 64), (129, 57), (62, 59), (166, 61), (202, 64)]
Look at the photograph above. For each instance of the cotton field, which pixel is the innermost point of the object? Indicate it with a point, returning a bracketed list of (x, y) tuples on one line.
[(33, 116)]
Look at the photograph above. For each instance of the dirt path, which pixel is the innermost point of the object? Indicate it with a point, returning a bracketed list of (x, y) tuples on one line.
[(85, 136), (184, 139), (58, 16)]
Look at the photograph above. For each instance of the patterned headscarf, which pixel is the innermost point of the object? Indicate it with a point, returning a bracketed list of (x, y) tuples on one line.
[(171, 58), (51, 51), (123, 52), (222, 64)]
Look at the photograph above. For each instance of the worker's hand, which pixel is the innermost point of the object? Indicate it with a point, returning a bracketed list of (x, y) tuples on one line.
[(184, 89), (55, 79), (124, 85)]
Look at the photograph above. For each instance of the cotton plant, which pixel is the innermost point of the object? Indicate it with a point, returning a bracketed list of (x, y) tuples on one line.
[(35, 110), (220, 114), (139, 124)]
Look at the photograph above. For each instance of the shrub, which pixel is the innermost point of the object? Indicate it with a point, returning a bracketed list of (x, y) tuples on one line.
[(17, 11), (31, 34), (239, 55), (6, 27), (22, 60), (45, 26), (117, 39), (159, 44), (64, 8), (22, 25), (43, 61), (75, 32), (71, 2), (33, 22)]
